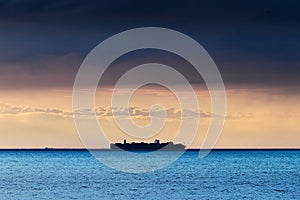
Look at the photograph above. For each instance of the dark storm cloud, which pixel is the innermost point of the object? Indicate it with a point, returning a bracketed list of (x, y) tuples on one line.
[(254, 42), (70, 10)]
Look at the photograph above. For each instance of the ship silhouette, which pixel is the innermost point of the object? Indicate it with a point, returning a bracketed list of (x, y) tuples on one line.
[(142, 146)]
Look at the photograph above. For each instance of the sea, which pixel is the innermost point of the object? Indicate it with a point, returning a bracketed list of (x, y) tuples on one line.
[(238, 174)]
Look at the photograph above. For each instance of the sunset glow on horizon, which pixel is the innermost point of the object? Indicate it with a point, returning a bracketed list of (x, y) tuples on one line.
[(256, 118)]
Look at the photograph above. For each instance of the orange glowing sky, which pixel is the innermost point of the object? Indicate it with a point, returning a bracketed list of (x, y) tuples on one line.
[(255, 118)]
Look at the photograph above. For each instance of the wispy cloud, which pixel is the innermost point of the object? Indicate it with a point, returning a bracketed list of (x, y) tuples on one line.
[(6, 108), (109, 112)]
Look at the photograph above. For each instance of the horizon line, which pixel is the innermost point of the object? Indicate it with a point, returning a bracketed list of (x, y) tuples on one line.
[(190, 149)]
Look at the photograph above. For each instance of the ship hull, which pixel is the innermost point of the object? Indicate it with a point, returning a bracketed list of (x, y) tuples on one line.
[(147, 147)]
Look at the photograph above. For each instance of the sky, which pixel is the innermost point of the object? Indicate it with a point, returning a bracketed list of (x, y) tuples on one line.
[(255, 45)]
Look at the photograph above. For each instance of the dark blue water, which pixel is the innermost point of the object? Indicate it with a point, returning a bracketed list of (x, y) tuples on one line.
[(220, 175)]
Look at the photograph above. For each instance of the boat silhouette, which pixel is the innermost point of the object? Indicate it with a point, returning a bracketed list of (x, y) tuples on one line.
[(142, 146)]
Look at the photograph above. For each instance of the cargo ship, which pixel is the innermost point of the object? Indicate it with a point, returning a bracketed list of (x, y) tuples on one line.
[(142, 146)]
